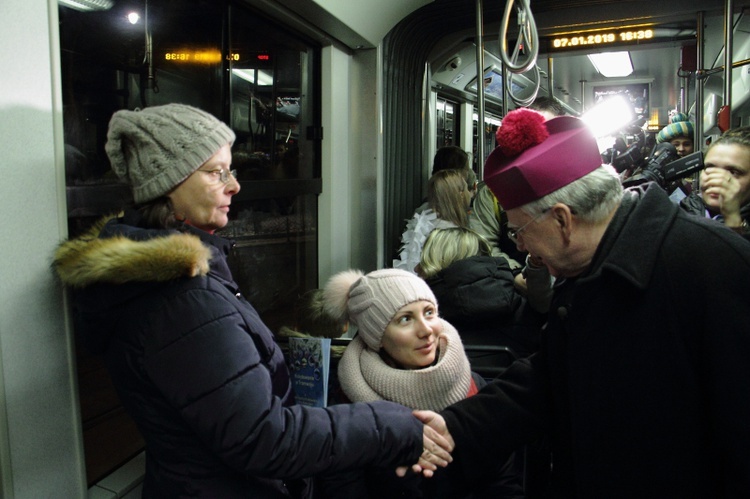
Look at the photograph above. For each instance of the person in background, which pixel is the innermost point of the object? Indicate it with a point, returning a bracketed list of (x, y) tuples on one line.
[(193, 363), (448, 198), (452, 158), (476, 293), (641, 376), (680, 133), (725, 182), (403, 352), (488, 217)]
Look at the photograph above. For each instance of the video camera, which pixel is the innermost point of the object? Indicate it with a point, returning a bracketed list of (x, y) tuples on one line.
[(623, 157), (664, 166)]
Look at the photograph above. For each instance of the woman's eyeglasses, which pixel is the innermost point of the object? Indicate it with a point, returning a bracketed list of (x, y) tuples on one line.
[(221, 175)]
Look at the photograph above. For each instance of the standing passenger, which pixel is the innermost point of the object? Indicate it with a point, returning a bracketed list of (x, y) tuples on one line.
[(725, 182), (452, 158), (192, 361), (642, 377), (448, 198), (680, 133)]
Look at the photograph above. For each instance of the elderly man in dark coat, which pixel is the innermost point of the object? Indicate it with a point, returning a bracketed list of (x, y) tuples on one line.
[(642, 379)]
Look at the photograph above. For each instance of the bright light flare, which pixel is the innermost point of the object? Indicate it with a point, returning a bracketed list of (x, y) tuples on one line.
[(609, 116)]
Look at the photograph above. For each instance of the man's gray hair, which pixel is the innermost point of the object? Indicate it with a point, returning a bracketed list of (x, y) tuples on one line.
[(591, 198)]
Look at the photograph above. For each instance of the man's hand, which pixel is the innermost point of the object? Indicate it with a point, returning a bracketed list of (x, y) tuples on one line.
[(437, 445)]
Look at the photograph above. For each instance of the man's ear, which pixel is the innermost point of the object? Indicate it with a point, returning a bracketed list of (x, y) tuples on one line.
[(563, 216)]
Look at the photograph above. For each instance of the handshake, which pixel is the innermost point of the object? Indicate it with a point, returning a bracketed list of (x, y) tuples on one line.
[(437, 445)]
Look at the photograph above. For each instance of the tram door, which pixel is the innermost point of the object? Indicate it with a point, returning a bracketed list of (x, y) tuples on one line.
[(447, 122)]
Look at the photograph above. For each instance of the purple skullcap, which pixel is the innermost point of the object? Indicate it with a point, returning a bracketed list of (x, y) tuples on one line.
[(535, 157)]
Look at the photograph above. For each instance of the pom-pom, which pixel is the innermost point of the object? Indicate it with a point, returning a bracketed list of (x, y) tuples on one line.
[(336, 293), (678, 118), (521, 128)]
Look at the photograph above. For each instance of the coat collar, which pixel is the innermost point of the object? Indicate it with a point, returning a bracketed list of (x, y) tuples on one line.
[(116, 252), (631, 244)]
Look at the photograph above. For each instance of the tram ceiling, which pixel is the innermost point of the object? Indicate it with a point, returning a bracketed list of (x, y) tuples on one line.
[(656, 60)]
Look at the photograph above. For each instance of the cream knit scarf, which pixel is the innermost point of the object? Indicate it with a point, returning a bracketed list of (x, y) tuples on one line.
[(365, 377)]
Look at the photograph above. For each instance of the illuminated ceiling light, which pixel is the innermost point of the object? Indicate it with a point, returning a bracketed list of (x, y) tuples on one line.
[(249, 75), (87, 5), (612, 64), (133, 18)]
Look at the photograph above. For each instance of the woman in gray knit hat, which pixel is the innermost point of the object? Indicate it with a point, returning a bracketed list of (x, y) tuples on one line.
[(403, 352), (192, 361)]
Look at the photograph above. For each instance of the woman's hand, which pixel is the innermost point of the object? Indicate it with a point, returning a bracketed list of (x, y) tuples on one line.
[(721, 190), (437, 445)]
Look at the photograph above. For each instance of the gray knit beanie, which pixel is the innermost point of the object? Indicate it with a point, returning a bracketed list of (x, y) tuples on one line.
[(370, 301), (155, 149)]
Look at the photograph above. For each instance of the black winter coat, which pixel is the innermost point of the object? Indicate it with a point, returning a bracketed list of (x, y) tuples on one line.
[(643, 376), (200, 374)]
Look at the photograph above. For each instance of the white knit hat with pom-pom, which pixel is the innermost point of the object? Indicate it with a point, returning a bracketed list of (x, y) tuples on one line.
[(370, 301)]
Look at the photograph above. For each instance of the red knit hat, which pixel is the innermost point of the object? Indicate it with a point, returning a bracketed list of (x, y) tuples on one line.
[(535, 157)]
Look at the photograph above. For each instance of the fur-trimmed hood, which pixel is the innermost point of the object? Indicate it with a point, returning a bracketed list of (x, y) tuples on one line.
[(117, 261), (138, 256)]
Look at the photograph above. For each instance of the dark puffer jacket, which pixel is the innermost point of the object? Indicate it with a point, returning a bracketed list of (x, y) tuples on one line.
[(200, 374), (478, 297)]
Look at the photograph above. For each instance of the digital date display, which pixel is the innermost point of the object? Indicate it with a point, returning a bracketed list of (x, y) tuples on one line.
[(602, 38)]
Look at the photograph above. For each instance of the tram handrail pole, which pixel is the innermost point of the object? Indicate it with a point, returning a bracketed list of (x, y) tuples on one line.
[(699, 98), (705, 73), (480, 90), (728, 21)]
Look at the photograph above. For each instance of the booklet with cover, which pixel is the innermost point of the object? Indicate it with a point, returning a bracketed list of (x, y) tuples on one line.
[(310, 360)]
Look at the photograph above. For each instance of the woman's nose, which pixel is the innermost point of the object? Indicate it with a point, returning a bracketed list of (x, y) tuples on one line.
[(233, 186), (425, 327)]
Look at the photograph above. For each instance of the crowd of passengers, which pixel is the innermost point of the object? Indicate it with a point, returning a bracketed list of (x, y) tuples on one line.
[(625, 311)]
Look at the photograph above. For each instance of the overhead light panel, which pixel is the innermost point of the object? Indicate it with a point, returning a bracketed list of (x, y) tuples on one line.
[(87, 5), (612, 64), (264, 78)]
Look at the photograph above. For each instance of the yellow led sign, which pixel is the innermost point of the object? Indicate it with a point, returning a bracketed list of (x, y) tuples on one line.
[(209, 56), (601, 38)]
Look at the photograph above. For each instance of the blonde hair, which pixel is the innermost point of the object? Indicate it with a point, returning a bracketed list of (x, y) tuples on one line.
[(446, 246), (447, 196)]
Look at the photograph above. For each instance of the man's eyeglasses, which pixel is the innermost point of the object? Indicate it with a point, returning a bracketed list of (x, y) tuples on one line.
[(513, 233), (220, 175)]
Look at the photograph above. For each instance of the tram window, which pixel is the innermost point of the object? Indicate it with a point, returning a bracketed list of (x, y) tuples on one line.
[(273, 103), (447, 122), (254, 75), (491, 123)]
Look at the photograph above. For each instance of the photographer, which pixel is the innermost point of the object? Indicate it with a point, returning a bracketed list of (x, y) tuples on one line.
[(679, 133), (668, 164), (725, 182)]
